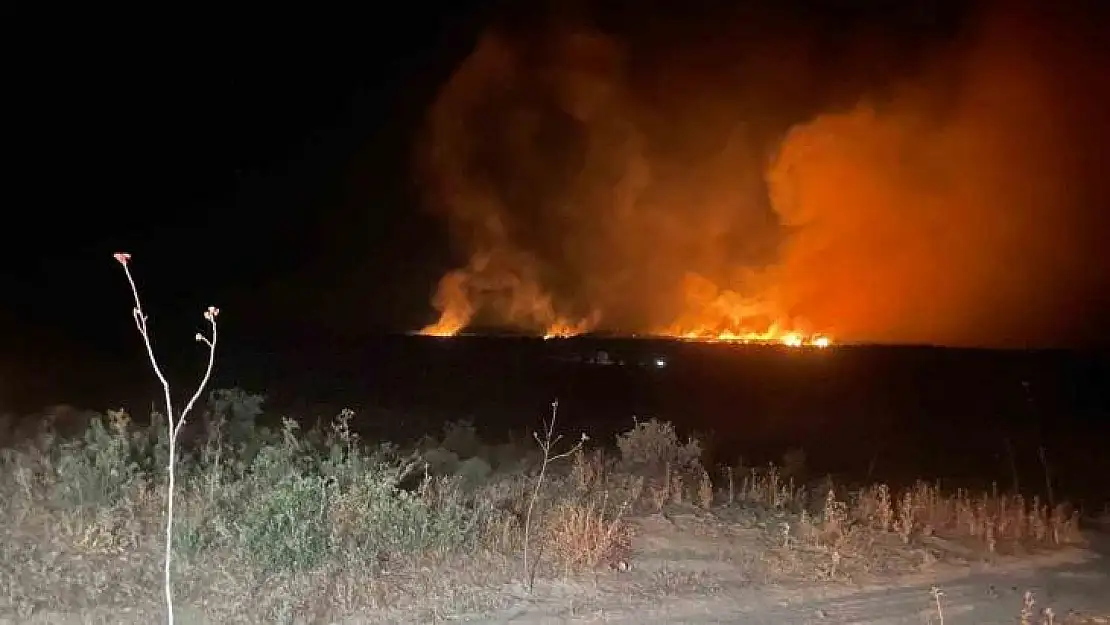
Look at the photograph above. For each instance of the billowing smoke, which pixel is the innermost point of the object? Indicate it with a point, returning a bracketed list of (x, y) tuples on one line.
[(596, 184)]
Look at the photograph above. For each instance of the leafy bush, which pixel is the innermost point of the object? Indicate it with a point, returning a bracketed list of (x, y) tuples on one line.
[(287, 528), (384, 520), (295, 505), (652, 445), (99, 468)]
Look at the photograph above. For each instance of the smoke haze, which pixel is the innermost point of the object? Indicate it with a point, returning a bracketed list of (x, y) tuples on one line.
[(604, 181)]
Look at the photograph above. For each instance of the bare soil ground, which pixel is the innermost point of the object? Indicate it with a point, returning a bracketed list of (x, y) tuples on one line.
[(695, 567), (685, 574)]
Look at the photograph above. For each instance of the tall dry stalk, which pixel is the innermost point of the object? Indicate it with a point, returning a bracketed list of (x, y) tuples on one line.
[(546, 444), (173, 427), (937, 593)]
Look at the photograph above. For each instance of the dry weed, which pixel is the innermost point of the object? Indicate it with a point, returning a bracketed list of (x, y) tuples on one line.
[(705, 491), (588, 534), (988, 517)]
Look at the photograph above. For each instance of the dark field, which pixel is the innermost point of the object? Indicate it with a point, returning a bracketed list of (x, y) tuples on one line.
[(895, 413)]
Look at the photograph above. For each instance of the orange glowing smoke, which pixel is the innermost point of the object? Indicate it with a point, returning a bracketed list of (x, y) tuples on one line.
[(941, 215), (670, 198)]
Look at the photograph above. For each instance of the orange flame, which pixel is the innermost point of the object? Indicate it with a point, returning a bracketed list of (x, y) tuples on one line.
[(708, 314), (564, 328), (518, 299), (454, 304), (769, 337), (715, 315)]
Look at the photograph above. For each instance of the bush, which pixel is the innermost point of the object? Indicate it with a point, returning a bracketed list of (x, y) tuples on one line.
[(653, 445), (391, 521), (98, 469), (304, 505), (586, 534), (287, 528)]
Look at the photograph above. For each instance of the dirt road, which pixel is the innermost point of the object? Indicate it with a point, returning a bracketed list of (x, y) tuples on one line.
[(684, 573), (1073, 583)]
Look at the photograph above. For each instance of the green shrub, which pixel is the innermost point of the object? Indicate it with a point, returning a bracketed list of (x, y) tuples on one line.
[(296, 505), (286, 527), (383, 519), (192, 536), (653, 444), (98, 469), (378, 517)]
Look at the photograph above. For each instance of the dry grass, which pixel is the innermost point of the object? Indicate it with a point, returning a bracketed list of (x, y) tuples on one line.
[(990, 518), (588, 534), (1028, 613), (277, 525), (876, 530)]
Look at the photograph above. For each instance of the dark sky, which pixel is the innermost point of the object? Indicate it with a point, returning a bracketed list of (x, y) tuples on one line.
[(264, 163), (260, 167)]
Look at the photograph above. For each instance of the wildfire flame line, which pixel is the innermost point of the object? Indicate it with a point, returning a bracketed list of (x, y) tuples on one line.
[(564, 329), (790, 339)]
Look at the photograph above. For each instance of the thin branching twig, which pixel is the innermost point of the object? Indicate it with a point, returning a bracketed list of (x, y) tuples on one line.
[(173, 426), (549, 440)]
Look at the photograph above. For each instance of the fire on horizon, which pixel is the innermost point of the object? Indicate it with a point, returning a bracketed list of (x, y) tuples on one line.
[(451, 324), (789, 339), (593, 182)]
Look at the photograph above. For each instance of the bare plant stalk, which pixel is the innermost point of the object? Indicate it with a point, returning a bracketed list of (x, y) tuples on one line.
[(937, 594), (546, 444), (173, 426)]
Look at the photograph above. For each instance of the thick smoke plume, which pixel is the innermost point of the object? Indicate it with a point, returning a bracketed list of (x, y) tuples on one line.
[(596, 184)]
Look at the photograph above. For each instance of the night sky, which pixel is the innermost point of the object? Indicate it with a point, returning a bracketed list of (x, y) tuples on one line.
[(259, 167), (266, 163)]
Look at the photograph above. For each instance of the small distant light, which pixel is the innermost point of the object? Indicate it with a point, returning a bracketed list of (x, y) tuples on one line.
[(660, 363)]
